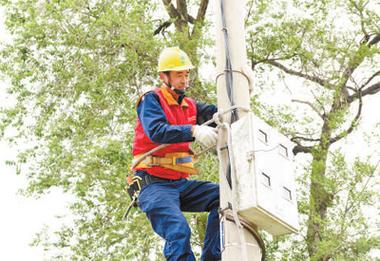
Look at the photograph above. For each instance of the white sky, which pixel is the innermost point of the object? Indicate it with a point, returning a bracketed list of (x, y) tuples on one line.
[(21, 218)]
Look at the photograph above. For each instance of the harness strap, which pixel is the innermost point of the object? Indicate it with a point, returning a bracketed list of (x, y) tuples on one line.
[(178, 161)]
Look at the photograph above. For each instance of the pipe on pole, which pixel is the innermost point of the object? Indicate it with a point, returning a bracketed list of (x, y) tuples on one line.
[(238, 238)]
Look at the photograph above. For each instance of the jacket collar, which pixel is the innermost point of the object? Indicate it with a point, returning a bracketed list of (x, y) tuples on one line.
[(170, 99)]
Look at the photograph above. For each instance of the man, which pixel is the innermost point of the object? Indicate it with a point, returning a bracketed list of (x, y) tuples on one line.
[(167, 116)]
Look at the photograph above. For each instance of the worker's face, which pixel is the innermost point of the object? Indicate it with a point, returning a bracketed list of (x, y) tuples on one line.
[(178, 79)]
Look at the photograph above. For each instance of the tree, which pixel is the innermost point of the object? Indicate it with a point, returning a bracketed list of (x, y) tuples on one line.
[(76, 70), (332, 48)]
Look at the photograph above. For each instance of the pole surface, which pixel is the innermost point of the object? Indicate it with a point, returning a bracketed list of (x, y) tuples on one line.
[(237, 243)]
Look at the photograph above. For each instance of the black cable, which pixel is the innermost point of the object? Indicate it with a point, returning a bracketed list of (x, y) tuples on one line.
[(228, 67), (229, 81)]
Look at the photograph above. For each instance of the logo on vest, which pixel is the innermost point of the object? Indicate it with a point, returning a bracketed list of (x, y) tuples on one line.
[(192, 118)]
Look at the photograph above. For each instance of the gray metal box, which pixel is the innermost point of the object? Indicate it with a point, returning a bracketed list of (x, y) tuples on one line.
[(265, 189)]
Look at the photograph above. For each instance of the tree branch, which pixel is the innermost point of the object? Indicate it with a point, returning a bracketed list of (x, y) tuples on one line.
[(373, 89), (349, 205), (356, 60), (319, 101), (202, 10), (172, 11), (351, 88), (198, 23), (191, 19), (315, 79), (353, 123), (249, 11), (311, 105), (162, 27), (360, 13), (182, 10), (374, 40), (299, 148), (295, 138), (370, 79)]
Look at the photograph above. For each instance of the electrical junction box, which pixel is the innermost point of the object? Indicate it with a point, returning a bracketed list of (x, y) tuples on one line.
[(265, 192)]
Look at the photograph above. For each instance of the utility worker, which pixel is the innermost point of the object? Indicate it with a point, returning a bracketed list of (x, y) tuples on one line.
[(167, 116)]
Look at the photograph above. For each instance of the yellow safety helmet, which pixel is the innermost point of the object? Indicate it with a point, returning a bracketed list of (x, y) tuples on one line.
[(174, 59)]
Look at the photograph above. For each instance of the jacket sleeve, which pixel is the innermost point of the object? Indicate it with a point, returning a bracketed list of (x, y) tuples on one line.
[(155, 124), (205, 113)]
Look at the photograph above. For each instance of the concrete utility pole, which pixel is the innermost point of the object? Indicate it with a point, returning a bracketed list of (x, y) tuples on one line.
[(238, 237)]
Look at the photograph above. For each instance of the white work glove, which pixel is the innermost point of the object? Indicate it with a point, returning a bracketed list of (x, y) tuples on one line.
[(206, 135)]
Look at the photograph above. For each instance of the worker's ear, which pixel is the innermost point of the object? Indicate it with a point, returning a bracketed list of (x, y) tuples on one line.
[(164, 77)]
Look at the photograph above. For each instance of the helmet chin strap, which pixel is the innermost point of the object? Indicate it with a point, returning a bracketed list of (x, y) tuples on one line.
[(177, 91)]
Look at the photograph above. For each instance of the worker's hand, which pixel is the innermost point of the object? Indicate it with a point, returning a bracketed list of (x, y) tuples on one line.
[(206, 135)]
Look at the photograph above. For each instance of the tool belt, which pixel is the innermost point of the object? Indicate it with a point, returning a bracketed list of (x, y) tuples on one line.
[(179, 161), (136, 183), (134, 186)]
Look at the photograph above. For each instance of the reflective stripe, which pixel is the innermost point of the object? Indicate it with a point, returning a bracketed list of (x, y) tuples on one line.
[(184, 160)]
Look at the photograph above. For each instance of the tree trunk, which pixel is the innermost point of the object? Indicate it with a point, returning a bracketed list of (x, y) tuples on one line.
[(319, 198)]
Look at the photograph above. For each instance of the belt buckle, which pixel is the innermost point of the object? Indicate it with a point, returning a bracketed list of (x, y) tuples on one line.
[(150, 161), (174, 161)]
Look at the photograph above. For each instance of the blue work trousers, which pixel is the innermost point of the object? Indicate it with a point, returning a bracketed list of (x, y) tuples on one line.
[(163, 203)]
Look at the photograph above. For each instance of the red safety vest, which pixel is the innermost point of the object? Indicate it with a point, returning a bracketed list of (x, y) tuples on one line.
[(185, 113)]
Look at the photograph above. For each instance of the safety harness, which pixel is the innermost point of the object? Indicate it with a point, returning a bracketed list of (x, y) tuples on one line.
[(179, 161)]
